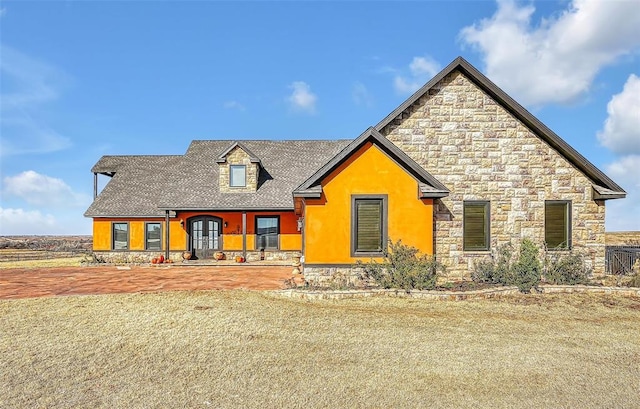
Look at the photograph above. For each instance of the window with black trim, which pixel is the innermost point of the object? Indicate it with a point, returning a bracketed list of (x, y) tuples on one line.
[(368, 225), (557, 224), (267, 232), (120, 235), (475, 224), (153, 236), (237, 175)]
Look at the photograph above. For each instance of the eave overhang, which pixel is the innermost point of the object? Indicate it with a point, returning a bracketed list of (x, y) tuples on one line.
[(314, 192), (428, 192), (602, 193)]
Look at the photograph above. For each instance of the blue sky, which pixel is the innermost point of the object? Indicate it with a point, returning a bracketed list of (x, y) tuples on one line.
[(84, 79)]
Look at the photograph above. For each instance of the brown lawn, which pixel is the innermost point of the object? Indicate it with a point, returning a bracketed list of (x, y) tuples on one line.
[(244, 349)]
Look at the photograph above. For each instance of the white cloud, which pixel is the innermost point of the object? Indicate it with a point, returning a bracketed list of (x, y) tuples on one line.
[(22, 222), (32, 84), (18, 222), (301, 98), (234, 105), (43, 190), (361, 95), (621, 131), (622, 214), (557, 60), (421, 69)]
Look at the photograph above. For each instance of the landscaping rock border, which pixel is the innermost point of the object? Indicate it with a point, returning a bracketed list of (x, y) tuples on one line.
[(453, 295)]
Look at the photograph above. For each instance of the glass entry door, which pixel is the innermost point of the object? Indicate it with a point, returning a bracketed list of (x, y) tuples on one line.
[(205, 236)]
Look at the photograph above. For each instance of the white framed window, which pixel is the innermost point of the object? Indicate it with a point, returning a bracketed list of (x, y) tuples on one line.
[(237, 175)]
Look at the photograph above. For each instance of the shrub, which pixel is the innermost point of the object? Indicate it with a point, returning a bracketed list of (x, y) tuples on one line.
[(633, 281), (494, 270), (404, 267), (523, 271), (566, 268), (526, 271)]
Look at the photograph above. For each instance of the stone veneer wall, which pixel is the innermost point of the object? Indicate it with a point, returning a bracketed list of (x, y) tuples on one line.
[(238, 157), (127, 257), (481, 152), (133, 257), (269, 255)]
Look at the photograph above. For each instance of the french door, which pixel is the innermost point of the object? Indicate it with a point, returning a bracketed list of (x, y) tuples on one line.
[(205, 234)]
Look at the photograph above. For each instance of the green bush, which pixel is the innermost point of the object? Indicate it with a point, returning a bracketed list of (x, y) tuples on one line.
[(496, 269), (503, 268), (566, 268), (403, 267), (526, 271)]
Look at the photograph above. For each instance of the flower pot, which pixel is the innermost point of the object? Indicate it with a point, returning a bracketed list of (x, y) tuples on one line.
[(218, 255), (186, 255)]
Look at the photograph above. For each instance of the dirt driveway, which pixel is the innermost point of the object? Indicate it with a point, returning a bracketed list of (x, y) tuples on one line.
[(39, 282)]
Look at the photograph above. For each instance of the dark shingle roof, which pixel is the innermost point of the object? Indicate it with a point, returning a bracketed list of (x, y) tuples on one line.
[(147, 185), (136, 186)]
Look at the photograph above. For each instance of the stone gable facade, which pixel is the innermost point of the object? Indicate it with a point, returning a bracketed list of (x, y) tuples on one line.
[(237, 156), (480, 151)]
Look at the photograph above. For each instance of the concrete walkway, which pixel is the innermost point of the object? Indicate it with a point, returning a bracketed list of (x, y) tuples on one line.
[(39, 282)]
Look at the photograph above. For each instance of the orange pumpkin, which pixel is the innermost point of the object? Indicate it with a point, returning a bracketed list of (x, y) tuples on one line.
[(154, 261)]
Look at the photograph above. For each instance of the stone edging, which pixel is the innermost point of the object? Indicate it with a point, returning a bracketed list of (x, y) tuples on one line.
[(453, 295)]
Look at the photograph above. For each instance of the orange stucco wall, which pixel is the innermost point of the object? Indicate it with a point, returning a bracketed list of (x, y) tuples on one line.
[(290, 237), (367, 171), (102, 233)]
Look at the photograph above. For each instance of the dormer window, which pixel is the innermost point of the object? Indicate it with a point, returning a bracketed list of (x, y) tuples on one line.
[(237, 175), (238, 170)]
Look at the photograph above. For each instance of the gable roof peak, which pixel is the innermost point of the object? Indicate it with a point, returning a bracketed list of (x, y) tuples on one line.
[(222, 158), (435, 189), (518, 111)]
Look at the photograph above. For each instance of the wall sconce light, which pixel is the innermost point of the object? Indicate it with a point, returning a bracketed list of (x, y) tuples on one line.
[(181, 223), (225, 224)]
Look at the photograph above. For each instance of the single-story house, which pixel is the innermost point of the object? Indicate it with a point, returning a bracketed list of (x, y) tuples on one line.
[(456, 170)]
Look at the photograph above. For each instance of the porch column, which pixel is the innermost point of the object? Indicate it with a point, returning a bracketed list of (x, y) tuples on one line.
[(166, 235), (95, 185), (244, 235)]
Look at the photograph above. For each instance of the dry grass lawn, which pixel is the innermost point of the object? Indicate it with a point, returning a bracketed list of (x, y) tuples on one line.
[(21, 258), (256, 350), (51, 262)]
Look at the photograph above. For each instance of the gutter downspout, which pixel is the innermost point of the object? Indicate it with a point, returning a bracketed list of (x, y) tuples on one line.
[(166, 235)]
